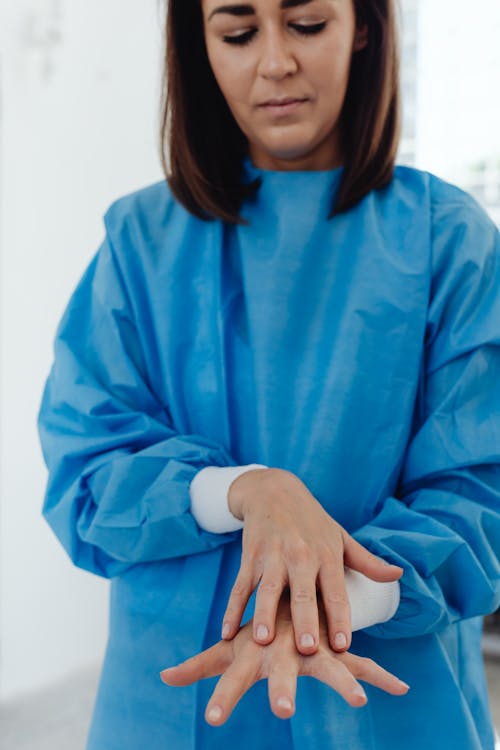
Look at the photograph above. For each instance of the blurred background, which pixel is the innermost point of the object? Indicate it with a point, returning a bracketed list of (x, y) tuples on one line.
[(79, 91)]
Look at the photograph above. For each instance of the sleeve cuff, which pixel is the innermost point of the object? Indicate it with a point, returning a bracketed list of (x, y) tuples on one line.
[(209, 490), (371, 602)]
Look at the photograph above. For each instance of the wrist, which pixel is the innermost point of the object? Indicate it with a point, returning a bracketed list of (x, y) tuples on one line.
[(237, 493), (234, 500)]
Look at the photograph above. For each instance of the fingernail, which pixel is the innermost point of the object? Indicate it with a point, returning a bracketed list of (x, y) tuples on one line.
[(226, 629), (284, 703), (404, 684), (215, 713), (262, 632), (358, 690), (306, 640), (340, 640)]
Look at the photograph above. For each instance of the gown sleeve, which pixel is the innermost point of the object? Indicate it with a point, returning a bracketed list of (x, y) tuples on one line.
[(118, 473), (443, 523)]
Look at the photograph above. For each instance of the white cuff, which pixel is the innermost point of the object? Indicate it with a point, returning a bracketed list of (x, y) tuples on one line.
[(371, 601), (209, 490)]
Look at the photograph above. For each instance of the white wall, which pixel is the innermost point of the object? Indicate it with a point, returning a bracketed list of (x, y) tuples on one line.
[(458, 84), (80, 92)]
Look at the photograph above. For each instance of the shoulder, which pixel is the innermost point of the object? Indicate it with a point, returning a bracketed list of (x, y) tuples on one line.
[(444, 200), (150, 206), (152, 213), (148, 228), (439, 194), (463, 233), (457, 224)]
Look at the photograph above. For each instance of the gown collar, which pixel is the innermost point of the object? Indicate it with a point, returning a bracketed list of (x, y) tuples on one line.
[(289, 192)]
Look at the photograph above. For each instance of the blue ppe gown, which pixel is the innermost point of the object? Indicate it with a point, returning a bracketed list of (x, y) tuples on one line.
[(360, 353)]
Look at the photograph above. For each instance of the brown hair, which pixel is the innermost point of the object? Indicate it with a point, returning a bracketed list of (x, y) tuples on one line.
[(205, 146)]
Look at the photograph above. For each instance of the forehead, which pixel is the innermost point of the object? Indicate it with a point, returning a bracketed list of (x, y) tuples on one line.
[(216, 7)]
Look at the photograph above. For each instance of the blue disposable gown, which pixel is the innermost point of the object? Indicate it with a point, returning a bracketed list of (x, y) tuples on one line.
[(361, 353)]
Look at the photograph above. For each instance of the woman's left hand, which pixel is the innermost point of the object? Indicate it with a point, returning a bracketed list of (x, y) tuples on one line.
[(289, 539), (242, 662)]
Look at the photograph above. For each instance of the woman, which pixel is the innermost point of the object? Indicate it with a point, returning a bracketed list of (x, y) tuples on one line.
[(297, 338)]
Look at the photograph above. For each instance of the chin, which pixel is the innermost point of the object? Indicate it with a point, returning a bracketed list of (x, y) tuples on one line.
[(288, 152)]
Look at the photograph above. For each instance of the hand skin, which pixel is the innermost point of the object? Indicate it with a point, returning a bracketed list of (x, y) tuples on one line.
[(289, 539), (242, 662)]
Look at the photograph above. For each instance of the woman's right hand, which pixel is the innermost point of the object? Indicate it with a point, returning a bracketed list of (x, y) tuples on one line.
[(289, 539), (242, 662)]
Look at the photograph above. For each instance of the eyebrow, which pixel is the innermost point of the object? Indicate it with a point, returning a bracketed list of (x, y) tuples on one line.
[(248, 10)]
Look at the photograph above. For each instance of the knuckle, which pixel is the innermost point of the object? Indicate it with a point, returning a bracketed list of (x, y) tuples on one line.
[(328, 555), (253, 556), (251, 651), (229, 681), (303, 596), (364, 667), (318, 667), (332, 573), (336, 597), (275, 549), (240, 588), (300, 553), (282, 671), (271, 586)]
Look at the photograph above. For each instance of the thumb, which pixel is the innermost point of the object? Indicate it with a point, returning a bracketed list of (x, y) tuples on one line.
[(359, 558)]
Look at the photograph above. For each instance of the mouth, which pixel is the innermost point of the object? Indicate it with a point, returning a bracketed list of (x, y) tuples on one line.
[(282, 106)]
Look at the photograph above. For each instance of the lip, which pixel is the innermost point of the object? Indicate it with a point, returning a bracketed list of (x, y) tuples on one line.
[(283, 106)]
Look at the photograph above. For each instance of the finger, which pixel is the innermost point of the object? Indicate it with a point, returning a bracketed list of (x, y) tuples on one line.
[(238, 599), (359, 558), (304, 606), (336, 605), (368, 670), (271, 587), (234, 683), (208, 663), (282, 687), (329, 669)]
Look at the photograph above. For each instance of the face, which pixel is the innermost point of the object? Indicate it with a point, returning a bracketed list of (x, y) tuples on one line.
[(283, 68)]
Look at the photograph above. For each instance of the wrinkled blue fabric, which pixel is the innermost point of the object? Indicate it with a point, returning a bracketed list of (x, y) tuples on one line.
[(361, 353)]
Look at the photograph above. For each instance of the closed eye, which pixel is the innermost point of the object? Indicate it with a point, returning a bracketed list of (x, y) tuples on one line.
[(313, 28), (246, 36), (239, 38)]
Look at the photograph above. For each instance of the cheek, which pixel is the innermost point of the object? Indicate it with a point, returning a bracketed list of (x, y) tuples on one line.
[(331, 84), (329, 66), (233, 86), (232, 75)]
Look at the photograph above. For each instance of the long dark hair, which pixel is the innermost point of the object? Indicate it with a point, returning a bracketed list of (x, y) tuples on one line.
[(202, 146)]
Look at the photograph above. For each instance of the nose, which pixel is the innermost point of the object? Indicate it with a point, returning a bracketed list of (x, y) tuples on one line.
[(276, 59)]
